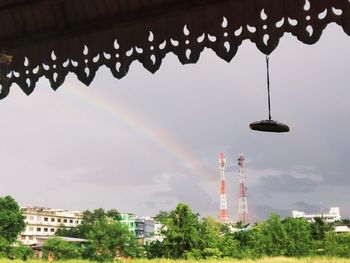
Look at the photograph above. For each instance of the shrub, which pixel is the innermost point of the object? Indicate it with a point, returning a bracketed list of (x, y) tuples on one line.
[(60, 249)]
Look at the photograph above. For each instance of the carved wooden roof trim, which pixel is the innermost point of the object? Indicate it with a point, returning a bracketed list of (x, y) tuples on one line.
[(54, 37)]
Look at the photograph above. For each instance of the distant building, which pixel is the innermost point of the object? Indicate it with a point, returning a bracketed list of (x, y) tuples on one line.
[(330, 217), (128, 220), (145, 227), (342, 229), (148, 230), (44, 222), (140, 226)]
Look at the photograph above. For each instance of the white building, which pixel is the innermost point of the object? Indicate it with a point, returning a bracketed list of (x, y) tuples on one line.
[(342, 229), (144, 227), (330, 217), (44, 222), (148, 230)]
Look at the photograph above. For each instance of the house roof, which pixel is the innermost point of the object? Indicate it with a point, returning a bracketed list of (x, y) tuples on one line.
[(54, 37)]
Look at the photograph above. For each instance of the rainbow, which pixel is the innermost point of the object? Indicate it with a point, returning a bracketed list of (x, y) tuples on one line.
[(140, 124)]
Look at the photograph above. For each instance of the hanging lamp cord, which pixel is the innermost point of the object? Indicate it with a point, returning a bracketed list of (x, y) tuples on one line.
[(268, 86)]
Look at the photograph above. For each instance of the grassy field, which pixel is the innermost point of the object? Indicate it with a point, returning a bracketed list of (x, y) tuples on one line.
[(264, 260)]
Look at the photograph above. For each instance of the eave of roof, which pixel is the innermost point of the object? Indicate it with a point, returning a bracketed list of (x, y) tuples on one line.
[(52, 38)]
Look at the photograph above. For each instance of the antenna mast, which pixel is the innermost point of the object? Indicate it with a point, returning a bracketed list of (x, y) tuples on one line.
[(223, 200), (242, 202)]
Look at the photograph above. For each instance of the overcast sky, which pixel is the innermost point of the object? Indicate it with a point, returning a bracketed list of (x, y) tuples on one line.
[(147, 142)]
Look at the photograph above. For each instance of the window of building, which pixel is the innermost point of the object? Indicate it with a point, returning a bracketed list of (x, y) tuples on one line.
[(31, 218), (52, 219), (38, 229), (64, 220), (59, 220), (38, 218), (52, 230), (30, 238), (77, 221), (71, 221), (46, 219), (46, 229), (30, 228)]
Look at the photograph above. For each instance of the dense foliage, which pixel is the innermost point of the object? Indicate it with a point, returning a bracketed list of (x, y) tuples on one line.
[(110, 240), (11, 219), (90, 218), (11, 225), (107, 238), (185, 236), (188, 236), (57, 248)]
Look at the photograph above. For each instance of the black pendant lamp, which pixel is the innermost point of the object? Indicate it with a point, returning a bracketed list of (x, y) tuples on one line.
[(269, 125)]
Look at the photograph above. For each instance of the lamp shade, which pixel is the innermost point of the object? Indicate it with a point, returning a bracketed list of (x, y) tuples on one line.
[(269, 126)]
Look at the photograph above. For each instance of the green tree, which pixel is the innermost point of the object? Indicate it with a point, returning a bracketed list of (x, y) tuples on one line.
[(181, 231), (319, 228), (345, 221), (162, 216), (253, 241), (245, 239), (229, 245), (272, 236), (107, 235), (337, 244), (210, 238), (154, 249), (111, 239), (4, 247), (20, 251), (298, 237), (89, 219), (11, 220), (114, 214), (60, 249)]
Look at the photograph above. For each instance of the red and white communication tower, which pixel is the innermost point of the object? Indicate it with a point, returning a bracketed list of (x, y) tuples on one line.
[(243, 204), (223, 201)]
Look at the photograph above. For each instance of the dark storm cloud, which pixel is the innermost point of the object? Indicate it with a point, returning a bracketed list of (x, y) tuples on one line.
[(287, 183), (260, 212), (306, 207), (186, 189), (338, 176), (108, 174)]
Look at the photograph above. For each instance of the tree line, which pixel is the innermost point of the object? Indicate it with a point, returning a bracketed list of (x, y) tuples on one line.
[(185, 234)]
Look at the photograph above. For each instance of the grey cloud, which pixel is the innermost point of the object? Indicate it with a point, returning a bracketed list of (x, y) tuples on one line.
[(306, 207), (338, 176), (186, 189), (261, 212), (287, 183)]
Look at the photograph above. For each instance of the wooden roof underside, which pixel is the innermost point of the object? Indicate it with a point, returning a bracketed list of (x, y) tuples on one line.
[(54, 37)]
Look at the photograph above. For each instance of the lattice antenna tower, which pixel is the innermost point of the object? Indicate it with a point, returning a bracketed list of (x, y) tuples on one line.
[(223, 199), (242, 202)]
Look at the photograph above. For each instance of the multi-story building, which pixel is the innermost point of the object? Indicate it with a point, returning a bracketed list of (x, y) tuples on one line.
[(44, 222), (148, 230), (128, 220), (144, 227), (330, 217)]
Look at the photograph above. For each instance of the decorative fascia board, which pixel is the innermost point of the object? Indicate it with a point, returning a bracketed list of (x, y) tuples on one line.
[(114, 34)]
